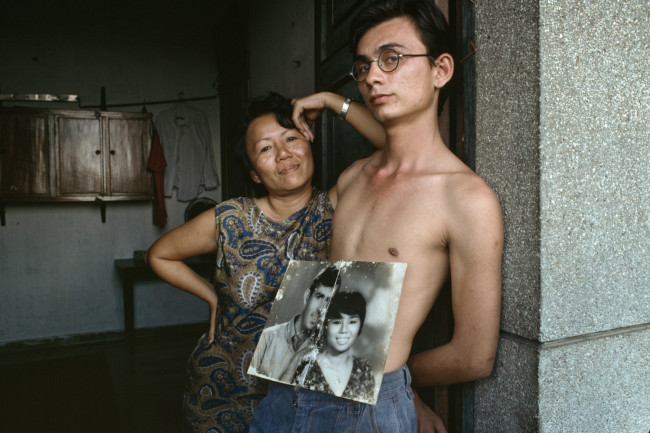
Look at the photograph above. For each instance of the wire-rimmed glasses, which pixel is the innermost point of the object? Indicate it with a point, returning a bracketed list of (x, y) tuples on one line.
[(387, 61)]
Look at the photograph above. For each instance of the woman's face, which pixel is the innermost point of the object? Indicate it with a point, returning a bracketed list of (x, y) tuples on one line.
[(281, 158), (342, 332)]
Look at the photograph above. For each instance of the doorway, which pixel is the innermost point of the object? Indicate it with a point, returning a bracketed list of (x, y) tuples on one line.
[(339, 145)]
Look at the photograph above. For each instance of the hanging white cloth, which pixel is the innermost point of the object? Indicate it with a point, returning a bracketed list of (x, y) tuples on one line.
[(185, 136)]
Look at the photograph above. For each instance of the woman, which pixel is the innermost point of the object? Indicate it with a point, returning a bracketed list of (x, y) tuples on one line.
[(254, 239), (334, 369)]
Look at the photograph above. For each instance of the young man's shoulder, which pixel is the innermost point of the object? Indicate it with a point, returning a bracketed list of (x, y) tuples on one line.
[(473, 207), (467, 183), (354, 170), (348, 175), (467, 191)]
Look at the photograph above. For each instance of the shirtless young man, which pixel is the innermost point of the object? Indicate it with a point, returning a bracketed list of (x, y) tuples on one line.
[(414, 202)]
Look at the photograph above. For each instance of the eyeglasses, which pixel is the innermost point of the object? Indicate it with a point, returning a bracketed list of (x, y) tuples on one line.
[(387, 61)]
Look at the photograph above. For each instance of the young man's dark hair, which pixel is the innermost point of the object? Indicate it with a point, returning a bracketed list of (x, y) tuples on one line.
[(329, 277), (429, 21)]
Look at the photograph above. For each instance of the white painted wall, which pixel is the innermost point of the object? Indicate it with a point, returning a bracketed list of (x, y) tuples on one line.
[(57, 276)]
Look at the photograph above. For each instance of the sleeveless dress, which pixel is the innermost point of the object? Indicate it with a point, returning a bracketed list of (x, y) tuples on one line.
[(252, 255)]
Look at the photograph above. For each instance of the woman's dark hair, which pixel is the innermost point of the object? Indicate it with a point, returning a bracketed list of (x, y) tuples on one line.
[(429, 21), (269, 103)]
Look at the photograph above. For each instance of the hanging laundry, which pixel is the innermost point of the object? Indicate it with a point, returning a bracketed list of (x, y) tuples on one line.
[(156, 165), (185, 136)]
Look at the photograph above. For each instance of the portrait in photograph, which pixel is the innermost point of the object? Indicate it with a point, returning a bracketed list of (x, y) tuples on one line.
[(330, 327)]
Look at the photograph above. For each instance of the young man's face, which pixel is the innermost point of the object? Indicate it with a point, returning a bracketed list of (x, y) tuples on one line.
[(315, 307), (407, 90)]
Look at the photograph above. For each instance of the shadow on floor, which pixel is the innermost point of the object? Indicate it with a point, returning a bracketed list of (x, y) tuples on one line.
[(100, 386)]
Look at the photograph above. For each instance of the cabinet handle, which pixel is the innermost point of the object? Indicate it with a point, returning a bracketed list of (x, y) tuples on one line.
[(97, 152), (112, 152)]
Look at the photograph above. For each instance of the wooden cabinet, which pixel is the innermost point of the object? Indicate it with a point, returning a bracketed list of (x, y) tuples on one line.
[(74, 155)]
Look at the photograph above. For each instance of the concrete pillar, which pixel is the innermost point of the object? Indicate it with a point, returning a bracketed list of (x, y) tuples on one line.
[(562, 135)]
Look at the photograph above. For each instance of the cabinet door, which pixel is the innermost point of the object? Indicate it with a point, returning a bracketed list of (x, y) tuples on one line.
[(24, 156), (79, 156), (128, 145)]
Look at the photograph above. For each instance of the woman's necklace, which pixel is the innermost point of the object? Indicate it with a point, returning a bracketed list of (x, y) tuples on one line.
[(337, 374)]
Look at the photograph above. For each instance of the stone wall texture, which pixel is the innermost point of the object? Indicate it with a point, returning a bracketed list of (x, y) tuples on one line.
[(562, 135)]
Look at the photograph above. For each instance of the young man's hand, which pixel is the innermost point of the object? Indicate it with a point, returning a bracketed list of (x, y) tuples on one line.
[(428, 420), (309, 108)]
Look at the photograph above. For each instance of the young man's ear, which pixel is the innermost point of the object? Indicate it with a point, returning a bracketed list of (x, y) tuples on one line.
[(444, 70), (306, 295), (255, 177)]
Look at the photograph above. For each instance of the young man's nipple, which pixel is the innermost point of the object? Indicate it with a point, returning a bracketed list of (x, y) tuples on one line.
[(393, 252)]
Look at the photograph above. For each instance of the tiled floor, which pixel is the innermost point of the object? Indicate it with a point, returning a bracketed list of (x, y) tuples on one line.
[(147, 379)]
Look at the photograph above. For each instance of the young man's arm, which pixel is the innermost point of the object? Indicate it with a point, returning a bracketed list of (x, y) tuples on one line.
[(475, 240), (308, 108)]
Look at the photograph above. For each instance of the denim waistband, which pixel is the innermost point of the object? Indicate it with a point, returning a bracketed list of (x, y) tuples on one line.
[(395, 381)]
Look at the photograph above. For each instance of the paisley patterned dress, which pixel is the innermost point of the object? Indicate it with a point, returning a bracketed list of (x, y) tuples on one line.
[(252, 256)]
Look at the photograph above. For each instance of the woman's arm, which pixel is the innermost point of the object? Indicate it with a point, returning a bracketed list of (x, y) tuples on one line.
[(308, 108), (166, 255)]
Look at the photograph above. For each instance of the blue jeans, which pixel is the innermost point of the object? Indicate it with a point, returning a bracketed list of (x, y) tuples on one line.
[(287, 409)]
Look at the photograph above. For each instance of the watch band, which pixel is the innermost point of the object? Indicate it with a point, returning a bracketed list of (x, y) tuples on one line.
[(344, 109)]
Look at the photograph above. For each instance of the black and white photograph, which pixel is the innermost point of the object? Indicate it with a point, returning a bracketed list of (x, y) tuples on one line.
[(330, 327)]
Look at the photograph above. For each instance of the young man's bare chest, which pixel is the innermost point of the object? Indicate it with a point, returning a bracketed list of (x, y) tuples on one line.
[(392, 220)]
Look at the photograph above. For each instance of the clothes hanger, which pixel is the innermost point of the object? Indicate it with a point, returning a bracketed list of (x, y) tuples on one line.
[(180, 107)]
